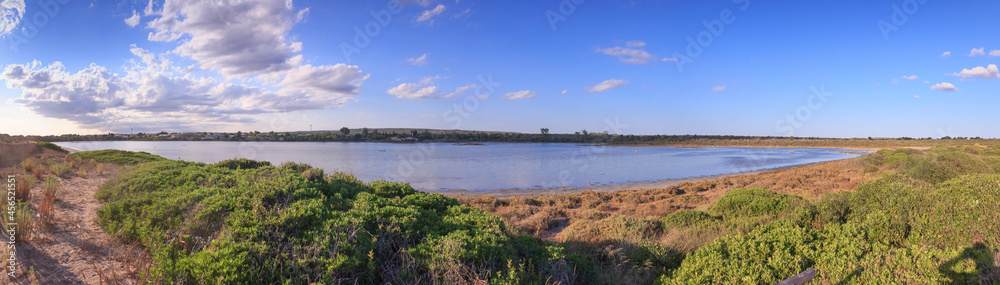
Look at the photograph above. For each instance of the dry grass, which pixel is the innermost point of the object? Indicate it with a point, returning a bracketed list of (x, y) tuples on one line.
[(46, 206), (25, 219), (23, 188), (586, 212)]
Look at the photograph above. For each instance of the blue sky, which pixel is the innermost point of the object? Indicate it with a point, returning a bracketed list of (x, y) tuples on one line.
[(799, 68)]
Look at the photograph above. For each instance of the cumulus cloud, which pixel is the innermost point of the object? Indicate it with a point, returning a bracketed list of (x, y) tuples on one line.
[(11, 13), (988, 72), (134, 20), (235, 38), (946, 54), (944, 86), (719, 88), (977, 52), (243, 41), (911, 77), (418, 90), (628, 54), (607, 84), (153, 92), (430, 14), (425, 89), (524, 94), (635, 44), (418, 61), (995, 52)]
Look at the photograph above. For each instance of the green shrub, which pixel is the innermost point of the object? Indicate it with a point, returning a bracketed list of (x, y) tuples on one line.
[(881, 227), (242, 163), (752, 202), (835, 207), (51, 146), (212, 224), (297, 167), (117, 156), (688, 218)]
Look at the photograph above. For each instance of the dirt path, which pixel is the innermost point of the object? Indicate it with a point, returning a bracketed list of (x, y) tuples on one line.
[(74, 249)]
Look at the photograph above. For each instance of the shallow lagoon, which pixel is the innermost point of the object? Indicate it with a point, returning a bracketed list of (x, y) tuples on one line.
[(449, 166)]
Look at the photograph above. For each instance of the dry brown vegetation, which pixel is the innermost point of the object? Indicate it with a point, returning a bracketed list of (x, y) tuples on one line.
[(538, 215), (614, 225), (70, 248)]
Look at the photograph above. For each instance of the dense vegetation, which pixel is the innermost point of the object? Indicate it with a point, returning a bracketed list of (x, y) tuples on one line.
[(931, 217), (242, 221), (116, 156)]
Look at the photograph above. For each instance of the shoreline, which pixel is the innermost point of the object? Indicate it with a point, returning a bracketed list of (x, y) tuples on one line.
[(656, 184)]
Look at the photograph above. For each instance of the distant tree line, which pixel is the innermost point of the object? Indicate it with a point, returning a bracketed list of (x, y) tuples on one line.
[(365, 135)]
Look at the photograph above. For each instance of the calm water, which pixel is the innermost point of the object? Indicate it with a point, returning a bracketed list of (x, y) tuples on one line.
[(446, 166)]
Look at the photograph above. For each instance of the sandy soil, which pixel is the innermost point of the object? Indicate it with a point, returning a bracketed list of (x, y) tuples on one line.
[(74, 250)]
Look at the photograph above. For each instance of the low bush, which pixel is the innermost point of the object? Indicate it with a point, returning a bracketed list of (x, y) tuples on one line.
[(51, 146), (117, 156), (752, 202), (212, 224), (242, 163)]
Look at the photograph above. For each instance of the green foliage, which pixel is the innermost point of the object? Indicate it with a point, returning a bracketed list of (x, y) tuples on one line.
[(51, 146), (290, 224), (931, 221), (750, 202), (117, 156), (688, 218), (242, 163)]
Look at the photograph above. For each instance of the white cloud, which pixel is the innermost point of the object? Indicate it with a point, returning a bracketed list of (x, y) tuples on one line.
[(977, 52), (911, 77), (243, 42), (429, 14), (134, 20), (669, 59), (944, 86), (155, 94), (149, 11), (460, 90), (425, 89), (995, 52), (524, 94), (465, 13), (895, 80), (564, 91), (719, 88), (327, 81), (418, 61), (11, 13), (916, 96), (607, 84), (635, 44), (989, 72), (418, 90), (628, 55), (946, 54), (239, 39)]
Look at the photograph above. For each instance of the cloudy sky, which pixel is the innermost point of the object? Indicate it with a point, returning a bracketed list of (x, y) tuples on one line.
[(743, 67)]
